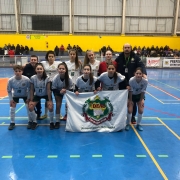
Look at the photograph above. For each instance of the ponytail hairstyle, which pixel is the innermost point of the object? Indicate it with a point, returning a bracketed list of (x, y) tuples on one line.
[(115, 73), (86, 58), (77, 64), (47, 54), (91, 79), (66, 74), (44, 76)]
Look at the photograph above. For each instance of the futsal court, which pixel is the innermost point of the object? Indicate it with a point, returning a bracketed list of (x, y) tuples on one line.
[(45, 154)]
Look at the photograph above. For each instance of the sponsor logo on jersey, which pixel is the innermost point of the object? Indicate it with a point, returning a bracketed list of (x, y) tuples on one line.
[(97, 110)]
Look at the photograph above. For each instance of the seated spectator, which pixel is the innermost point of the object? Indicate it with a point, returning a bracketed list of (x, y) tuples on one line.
[(26, 50), (69, 47), (103, 50), (56, 50), (61, 50), (79, 50), (74, 47), (11, 53)]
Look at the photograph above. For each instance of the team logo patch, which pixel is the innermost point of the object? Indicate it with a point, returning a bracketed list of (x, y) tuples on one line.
[(97, 110), (167, 62)]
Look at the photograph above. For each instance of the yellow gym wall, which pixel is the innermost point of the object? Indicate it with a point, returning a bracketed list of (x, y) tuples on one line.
[(40, 42)]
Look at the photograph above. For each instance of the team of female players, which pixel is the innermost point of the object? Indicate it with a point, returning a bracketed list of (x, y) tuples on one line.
[(57, 77)]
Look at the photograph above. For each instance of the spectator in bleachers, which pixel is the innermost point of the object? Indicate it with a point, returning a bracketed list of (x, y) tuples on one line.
[(103, 50), (109, 48), (26, 50), (74, 47), (69, 47), (56, 50), (22, 50), (13, 47), (62, 49), (79, 50), (11, 53)]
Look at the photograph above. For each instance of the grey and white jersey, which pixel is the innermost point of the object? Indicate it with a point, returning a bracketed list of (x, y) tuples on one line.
[(51, 70), (95, 67), (73, 72), (57, 83), (84, 86), (138, 87), (40, 86), (18, 88), (108, 83)]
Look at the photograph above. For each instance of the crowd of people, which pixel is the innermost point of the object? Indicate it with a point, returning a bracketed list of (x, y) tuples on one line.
[(38, 81), (11, 50)]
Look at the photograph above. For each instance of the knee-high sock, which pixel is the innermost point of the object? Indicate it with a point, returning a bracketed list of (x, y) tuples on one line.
[(57, 117), (33, 116), (128, 118), (12, 114), (29, 118), (51, 116), (139, 118)]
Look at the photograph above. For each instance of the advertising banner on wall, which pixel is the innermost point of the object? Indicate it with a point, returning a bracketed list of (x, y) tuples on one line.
[(152, 61), (171, 62), (102, 112)]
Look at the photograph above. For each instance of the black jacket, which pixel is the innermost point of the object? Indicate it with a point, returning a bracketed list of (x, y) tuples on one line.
[(133, 63), (29, 70)]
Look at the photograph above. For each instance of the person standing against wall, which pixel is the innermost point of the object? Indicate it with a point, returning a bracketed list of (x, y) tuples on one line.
[(29, 71), (127, 62)]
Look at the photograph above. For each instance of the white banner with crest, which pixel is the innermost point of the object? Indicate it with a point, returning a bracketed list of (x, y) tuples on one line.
[(152, 61), (103, 112)]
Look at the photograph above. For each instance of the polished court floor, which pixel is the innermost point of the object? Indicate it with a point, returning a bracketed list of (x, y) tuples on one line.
[(44, 154)]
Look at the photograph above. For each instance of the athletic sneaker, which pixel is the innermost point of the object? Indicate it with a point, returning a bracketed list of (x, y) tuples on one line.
[(61, 117), (43, 117), (127, 127), (11, 126), (133, 120), (51, 126), (34, 125), (29, 125), (57, 125), (139, 127)]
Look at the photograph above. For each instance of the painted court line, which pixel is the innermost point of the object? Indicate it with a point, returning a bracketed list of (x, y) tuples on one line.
[(169, 128), (6, 157), (154, 97), (74, 156), (165, 92), (97, 156), (29, 156), (163, 156), (150, 154), (52, 156), (165, 84), (118, 156), (141, 156)]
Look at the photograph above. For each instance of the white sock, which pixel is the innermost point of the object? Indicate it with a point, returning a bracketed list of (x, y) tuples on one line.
[(12, 114), (51, 116), (129, 116), (29, 118), (33, 116), (57, 117), (139, 118)]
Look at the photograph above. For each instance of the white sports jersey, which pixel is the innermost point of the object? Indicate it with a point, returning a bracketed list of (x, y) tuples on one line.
[(72, 72), (136, 87), (58, 84), (84, 86), (108, 83), (18, 88), (51, 70), (95, 67), (40, 86)]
